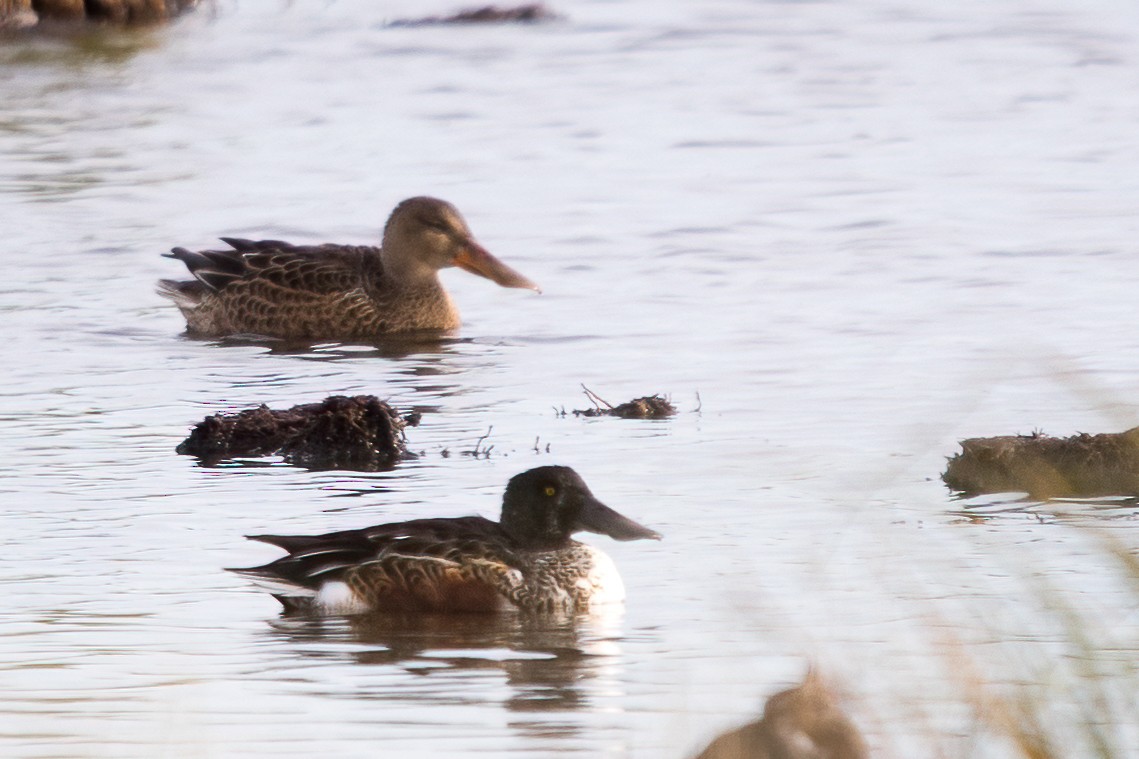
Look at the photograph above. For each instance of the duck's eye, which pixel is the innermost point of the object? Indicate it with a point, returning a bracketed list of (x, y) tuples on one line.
[(551, 490), (435, 225)]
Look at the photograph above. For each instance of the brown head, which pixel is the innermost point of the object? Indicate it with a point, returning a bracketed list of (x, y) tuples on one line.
[(426, 234)]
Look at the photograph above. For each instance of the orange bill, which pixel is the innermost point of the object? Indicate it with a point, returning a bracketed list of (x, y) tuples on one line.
[(477, 260)]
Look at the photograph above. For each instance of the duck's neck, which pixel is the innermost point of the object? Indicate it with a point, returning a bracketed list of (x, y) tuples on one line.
[(403, 272), (532, 540)]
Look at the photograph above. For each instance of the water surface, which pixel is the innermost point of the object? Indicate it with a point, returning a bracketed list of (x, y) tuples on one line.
[(841, 235)]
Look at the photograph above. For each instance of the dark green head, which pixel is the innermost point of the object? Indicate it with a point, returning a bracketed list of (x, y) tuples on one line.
[(543, 507)]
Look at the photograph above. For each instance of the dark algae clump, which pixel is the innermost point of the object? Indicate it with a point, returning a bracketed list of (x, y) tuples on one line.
[(359, 432), (1081, 466)]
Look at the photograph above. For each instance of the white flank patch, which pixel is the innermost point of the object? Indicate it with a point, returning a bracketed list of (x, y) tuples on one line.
[(336, 597), (604, 579), (278, 587)]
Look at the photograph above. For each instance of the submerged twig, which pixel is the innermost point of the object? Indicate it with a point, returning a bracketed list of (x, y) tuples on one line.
[(478, 449), (596, 399)]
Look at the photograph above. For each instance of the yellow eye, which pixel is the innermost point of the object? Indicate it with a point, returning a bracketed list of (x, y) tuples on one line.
[(550, 490)]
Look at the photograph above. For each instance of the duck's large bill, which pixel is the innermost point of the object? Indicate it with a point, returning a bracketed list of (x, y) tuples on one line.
[(597, 517), (477, 260)]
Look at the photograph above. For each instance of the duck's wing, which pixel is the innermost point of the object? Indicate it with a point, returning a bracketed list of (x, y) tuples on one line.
[(425, 564), (305, 268)]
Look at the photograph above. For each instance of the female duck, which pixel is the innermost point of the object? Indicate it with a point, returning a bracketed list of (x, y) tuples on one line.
[(333, 292), (526, 559)]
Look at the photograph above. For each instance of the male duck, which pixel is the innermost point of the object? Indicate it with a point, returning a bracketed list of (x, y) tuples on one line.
[(316, 292), (526, 559)]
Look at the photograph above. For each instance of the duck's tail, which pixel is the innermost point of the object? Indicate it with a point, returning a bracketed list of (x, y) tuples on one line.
[(187, 295)]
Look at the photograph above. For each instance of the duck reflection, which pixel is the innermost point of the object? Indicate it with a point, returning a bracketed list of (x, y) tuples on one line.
[(428, 364), (551, 662), (428, 343)]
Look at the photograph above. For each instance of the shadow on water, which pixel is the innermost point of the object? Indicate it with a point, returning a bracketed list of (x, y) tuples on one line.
[(547, 662)]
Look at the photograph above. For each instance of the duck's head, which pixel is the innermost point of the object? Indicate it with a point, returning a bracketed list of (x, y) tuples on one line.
[(543, 507), (425, 234)]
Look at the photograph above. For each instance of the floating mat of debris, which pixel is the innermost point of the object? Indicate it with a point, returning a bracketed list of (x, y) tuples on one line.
[(648, 407), (488, 14), (361, 433), (1081, 466)]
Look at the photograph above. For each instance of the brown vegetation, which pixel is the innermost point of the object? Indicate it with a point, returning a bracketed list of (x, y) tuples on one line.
[(1047, 467)]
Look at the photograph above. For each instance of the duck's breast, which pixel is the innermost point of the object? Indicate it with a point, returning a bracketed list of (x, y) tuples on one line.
[(575, 577), (601, 583)]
